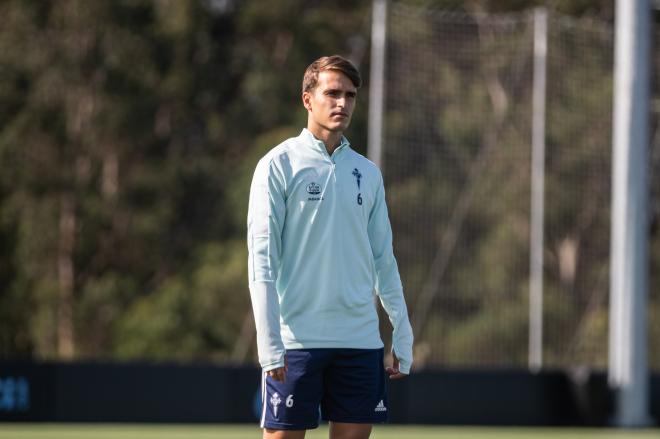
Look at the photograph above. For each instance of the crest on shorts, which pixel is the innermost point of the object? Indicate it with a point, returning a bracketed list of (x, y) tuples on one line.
[(275, 400)]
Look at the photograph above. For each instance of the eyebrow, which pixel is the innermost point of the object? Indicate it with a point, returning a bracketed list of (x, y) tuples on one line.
[(337, 90)]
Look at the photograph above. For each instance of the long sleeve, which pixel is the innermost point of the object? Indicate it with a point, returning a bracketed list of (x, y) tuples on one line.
[(266, 214), (388, 282)]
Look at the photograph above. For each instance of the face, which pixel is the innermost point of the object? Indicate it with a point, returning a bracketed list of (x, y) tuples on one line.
[(330, 104)]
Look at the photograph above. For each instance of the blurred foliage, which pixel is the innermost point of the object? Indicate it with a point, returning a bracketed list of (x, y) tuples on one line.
[(130, 133)]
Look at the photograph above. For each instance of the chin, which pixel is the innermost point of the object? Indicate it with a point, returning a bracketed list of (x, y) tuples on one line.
[(340, 127)]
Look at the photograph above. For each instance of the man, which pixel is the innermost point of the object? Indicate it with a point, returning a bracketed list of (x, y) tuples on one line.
[(320, 243)]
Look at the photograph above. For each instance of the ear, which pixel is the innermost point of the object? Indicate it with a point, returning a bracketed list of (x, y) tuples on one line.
[(306, 99)]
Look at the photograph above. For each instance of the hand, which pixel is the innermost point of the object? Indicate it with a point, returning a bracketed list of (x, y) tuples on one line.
[(278, 374), (393, 371)]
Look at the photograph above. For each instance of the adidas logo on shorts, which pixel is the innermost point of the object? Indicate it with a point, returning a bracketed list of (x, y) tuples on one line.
[(380, 407)]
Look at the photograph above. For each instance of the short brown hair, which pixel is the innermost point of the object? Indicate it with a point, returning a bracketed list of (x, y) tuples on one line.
[(334, 62)]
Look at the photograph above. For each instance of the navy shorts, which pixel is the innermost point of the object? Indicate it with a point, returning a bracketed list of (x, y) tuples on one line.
[(347, 385)]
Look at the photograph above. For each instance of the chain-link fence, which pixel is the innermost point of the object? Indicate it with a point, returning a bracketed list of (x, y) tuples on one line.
[(458, 136)]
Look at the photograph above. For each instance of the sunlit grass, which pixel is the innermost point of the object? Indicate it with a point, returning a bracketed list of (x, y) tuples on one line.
[(159, 431)]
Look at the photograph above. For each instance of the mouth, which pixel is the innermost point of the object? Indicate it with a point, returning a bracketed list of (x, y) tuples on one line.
[(339, 114)]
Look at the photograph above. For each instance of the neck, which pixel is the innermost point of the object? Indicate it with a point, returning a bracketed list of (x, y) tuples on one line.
[(331, 139)]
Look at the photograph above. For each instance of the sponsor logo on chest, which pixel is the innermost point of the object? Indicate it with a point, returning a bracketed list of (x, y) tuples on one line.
[(314, 189)]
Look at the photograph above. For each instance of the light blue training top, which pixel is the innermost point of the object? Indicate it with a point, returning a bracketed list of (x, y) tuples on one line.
[(320, 243)]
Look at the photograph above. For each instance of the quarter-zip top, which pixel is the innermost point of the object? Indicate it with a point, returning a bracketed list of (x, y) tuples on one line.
[(320, 244)]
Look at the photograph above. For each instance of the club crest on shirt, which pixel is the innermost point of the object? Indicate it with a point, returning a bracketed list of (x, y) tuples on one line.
[(358, 176), (313, 188)]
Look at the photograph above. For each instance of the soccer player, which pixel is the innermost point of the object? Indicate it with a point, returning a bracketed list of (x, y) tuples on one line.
[(320, 244)]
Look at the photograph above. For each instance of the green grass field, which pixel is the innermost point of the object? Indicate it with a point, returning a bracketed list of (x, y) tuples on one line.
[(121, 431)]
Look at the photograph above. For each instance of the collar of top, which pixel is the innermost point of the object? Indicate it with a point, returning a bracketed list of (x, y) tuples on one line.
[(317, 145)]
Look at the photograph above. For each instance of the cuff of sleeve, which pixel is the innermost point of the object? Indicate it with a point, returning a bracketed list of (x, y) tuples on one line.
[(272, 366), (267, 321), (402, 346), (404, 366), (405, 361)]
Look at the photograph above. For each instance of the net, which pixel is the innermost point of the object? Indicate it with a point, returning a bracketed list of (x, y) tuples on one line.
[(458, 164)]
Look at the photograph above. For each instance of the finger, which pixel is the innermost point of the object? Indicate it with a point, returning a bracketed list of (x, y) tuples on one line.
[(391, 370), (398, 376), (278, 375)]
